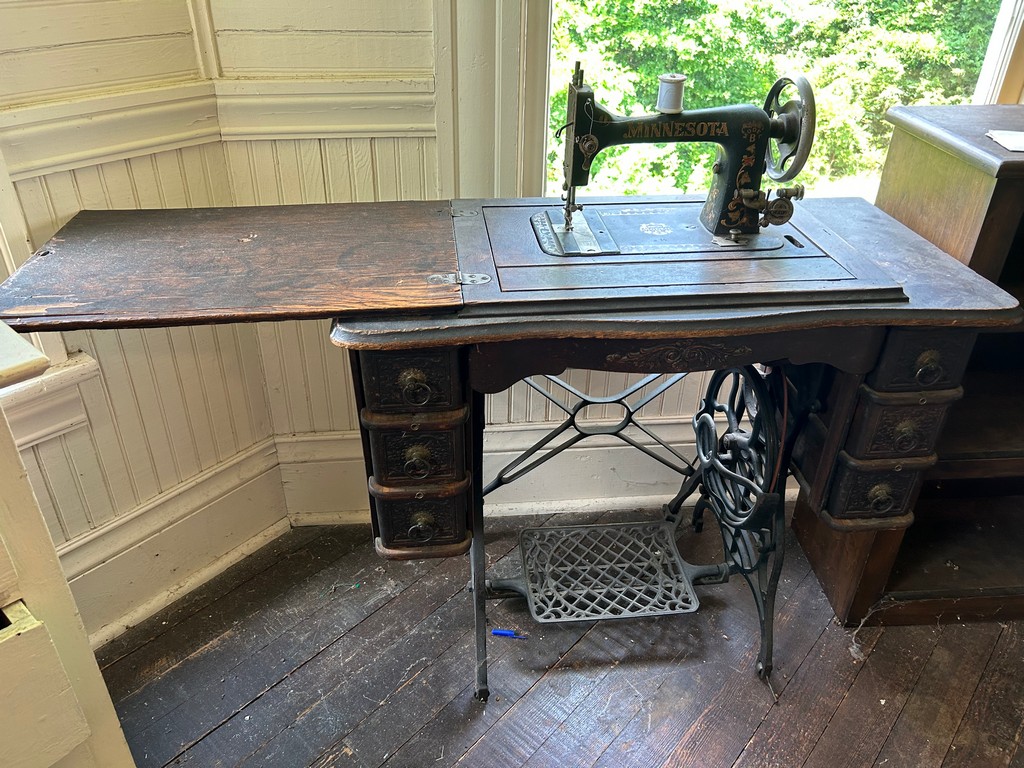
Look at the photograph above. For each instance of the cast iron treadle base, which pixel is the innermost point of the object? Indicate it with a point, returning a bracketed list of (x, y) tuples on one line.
[(584, 572)]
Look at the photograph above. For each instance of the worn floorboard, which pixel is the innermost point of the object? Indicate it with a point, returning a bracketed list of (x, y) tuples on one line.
[(315, 653)]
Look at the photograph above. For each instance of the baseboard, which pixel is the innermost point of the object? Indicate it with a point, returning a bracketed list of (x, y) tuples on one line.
[(324, 475), (130, 569), (324, 478), (126, 571), (600, 469)]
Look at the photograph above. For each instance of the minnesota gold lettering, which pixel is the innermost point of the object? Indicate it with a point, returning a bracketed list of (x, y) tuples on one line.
[(677, 130)]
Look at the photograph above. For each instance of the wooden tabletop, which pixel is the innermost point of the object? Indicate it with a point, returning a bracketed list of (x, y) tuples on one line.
[(375, 265), (210, 265), (938, 291)]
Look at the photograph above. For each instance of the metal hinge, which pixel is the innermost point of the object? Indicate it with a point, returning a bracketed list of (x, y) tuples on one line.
[(459, 278)]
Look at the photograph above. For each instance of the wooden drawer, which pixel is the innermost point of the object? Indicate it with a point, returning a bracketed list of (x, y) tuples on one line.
[(400, 381), (417, 448), (42, 719), (422, 518), (898, 424), (922, 359), (875, 488)]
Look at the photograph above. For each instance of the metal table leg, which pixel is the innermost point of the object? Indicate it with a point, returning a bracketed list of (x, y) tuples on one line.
[(477, 555)]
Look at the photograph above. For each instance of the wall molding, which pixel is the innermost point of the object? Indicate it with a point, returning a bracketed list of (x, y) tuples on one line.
[(204, 37), (50, 404), (64, 135), (492, 55), (99, 129), (1001, 80), (325, 109)]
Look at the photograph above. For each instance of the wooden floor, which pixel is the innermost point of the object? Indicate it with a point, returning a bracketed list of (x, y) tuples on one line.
[(315, 652)]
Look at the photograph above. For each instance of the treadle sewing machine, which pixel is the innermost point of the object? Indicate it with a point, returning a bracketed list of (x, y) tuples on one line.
[(858, 322), (628, 570)]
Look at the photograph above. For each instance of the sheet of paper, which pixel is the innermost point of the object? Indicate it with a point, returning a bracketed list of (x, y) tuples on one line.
[(1011, 140)]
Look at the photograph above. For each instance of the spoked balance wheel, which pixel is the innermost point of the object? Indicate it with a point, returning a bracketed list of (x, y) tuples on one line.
[(738, 444), (739, 449)]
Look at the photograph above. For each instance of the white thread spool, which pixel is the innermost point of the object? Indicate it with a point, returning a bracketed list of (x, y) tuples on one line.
[(670, 94)]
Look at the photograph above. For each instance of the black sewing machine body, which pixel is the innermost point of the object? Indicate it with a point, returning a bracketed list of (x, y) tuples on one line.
[(752, 141), (742, 132)]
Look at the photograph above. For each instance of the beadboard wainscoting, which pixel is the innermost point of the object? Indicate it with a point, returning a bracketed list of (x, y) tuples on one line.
[(173, 452)]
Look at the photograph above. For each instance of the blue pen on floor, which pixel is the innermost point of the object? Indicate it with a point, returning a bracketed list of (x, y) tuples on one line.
[(508, 633)]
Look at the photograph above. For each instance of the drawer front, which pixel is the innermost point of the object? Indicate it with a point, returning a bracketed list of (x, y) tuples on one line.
[(400, 381), (898, 424), (421, 518), (415, 419), (922, 360), (417, 448), (405, 457), (875, 489)]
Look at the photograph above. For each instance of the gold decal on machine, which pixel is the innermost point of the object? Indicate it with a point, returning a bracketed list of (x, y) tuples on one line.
[(707, 129)]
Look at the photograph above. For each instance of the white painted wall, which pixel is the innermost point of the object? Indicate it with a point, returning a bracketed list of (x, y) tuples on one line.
[(177, 451)]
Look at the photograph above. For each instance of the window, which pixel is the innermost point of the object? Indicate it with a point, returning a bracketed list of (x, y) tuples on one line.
[(862, 56)]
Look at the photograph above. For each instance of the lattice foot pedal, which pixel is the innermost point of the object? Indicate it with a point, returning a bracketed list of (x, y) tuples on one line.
[(584, 572)]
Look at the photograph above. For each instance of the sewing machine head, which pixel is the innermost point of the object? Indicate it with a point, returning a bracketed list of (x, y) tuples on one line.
[(752, 141)]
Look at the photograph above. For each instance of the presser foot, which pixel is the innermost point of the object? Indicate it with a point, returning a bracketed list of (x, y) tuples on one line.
[(583, 236)]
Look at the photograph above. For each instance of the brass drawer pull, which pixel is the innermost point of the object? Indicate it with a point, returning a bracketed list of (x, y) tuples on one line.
[(417, 462), (929, 368), (906, 438), (415, 389), (881, 499), (423, 527)]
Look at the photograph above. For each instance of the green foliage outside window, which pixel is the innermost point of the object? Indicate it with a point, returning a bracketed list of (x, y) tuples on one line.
[(862, 57)]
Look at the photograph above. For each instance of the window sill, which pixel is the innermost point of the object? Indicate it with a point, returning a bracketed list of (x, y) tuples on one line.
[(19, 360)]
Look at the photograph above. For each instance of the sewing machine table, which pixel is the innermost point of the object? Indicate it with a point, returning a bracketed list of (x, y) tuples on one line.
[(441, 303)]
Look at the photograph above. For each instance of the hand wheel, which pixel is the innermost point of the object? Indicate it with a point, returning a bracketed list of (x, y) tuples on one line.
[(792, 128)]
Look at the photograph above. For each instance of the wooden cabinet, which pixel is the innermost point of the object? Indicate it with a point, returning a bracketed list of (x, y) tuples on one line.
[(948, 181), (414, 411)]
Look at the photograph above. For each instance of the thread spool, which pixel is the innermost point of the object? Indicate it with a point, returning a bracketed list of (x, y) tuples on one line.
[(670, 94)]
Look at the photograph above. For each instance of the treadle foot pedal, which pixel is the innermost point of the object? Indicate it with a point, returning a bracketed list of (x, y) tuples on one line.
[(586, 572)]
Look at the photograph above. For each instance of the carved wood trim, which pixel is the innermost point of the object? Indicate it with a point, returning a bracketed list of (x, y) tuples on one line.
[(686, 355)]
